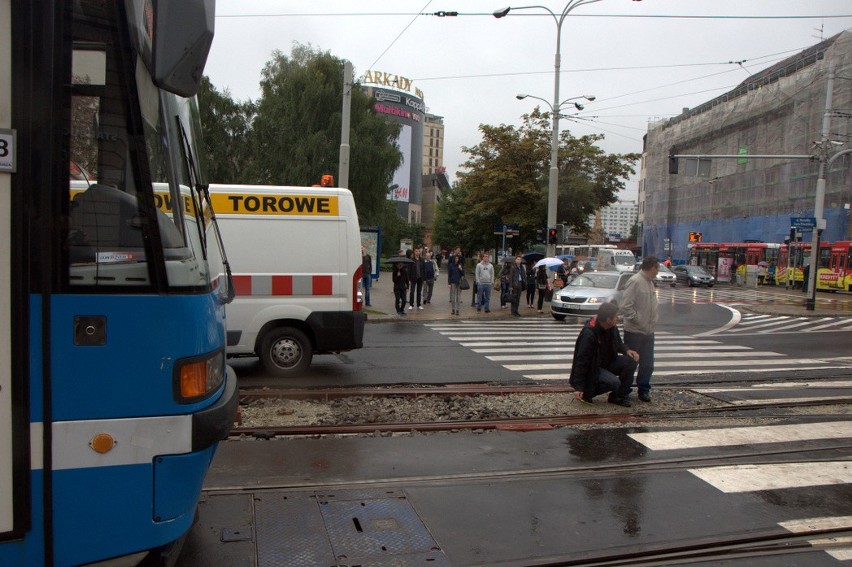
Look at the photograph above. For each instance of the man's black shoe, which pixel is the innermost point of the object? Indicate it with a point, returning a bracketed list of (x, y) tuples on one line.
[(644, 397), (587, 399), (623, 402)]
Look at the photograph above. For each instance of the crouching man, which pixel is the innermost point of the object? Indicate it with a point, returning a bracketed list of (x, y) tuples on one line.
[(602, 363)]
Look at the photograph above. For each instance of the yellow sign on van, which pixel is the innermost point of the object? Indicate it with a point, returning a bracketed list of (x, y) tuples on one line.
[(244, 204)]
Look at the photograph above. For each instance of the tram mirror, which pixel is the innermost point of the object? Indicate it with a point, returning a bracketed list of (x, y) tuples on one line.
[(182, 37), (88, 67)]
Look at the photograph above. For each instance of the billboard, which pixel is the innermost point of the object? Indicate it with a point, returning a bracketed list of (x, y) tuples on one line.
[(401, 184), (409, 110)]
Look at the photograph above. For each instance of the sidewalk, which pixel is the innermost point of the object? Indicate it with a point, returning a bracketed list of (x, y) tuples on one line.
[(791, 303), (382, 304)]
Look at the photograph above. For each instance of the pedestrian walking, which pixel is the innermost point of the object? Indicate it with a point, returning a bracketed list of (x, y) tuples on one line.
[(429, 275), (602, 362), (543, 284), (400, 287), (517, 283), (484, 276), (531, 286), (505, 269), (455, 271), (366, 275), (474, 289), (416, 272), (638, 310)]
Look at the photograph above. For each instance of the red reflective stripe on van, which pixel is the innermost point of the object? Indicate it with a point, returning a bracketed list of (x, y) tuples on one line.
[(282, 285), (321, 285), (242, 285)]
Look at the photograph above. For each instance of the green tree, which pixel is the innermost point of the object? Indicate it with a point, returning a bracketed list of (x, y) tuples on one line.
[(506, 181), (226, 126), (296, 131)]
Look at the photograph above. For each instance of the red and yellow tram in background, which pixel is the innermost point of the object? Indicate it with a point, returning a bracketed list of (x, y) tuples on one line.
[(780, 264)]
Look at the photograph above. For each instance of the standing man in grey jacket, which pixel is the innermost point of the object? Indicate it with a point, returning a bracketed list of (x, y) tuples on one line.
[(638, 311), (484, 281)]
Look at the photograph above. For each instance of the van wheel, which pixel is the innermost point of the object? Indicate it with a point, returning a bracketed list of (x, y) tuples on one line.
[(286, 352), (558, 317)]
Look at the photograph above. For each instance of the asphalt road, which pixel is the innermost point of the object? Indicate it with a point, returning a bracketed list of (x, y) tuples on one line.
[(428, 351)]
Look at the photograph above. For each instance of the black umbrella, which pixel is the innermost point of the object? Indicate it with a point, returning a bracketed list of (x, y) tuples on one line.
[(533, 256), (401, 259)]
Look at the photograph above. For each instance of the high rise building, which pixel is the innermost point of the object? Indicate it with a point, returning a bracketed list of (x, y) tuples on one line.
[(617, 220)]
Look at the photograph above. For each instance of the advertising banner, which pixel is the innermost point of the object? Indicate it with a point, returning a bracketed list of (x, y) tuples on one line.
[(401, 184)]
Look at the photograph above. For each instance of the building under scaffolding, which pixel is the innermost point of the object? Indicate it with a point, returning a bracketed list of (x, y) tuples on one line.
[(778, 111)]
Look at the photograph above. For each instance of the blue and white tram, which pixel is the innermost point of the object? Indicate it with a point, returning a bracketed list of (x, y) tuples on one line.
[(114, 390)]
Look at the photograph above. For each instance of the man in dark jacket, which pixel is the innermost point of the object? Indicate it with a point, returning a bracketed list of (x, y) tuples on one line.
[(416, 272), (602, 363)]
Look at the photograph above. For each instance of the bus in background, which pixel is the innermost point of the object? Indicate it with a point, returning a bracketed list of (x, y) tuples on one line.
[(114, 390), (583, 253), (727, 260), (835, 263), (792, 258)]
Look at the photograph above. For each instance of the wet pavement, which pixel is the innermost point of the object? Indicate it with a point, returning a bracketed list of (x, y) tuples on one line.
[(769, 300), (534, 498)]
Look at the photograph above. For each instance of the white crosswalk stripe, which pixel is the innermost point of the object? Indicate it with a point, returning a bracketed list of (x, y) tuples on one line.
[(542, 350), (763, 476), (752, 323)]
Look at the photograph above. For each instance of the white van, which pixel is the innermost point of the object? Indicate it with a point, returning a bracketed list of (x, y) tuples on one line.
[(295, 255), (615, 260)]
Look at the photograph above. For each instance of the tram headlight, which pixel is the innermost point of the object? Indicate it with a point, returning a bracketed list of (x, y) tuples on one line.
[(198, 377)]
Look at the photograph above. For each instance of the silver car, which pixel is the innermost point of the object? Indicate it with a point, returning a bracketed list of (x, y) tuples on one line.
[(583, 296), (665, 276)]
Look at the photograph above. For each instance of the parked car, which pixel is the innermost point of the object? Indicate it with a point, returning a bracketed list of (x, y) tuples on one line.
[(583, 296), (694, 276), (665, 276)]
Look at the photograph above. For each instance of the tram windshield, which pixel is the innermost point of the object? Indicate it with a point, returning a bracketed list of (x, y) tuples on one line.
[(135, 218)]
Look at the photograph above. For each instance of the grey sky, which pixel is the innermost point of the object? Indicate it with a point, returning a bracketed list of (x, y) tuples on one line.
[(640, 65)]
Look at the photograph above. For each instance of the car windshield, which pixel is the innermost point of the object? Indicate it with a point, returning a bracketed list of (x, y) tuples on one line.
[(624, 260), (606, 281), (697, 271), (664, 268)]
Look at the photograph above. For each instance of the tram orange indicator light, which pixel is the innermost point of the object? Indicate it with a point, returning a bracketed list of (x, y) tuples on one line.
[(102, 443), (193, 379)]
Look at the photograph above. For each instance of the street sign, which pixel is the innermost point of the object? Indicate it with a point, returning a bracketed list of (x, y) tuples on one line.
[(507, 229), (804, 224)]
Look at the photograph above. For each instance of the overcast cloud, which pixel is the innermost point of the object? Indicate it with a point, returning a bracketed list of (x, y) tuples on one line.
[(639, 62)]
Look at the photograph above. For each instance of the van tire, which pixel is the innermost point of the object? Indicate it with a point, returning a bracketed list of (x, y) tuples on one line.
[(558, 317), (286, 352)]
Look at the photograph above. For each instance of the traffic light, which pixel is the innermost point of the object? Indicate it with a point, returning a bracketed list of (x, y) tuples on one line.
[(539, 235), (552, 235)]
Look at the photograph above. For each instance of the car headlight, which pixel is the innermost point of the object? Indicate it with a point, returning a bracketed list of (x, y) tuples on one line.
[(593, 300)]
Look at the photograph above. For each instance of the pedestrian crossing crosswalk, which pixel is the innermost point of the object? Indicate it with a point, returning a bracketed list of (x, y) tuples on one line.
[(761, 476), (753, 323), (542, 350), (725, 294)]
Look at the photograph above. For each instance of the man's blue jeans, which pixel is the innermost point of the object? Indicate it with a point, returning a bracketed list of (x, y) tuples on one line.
[(366, 283), (483, 296), (644, 345)]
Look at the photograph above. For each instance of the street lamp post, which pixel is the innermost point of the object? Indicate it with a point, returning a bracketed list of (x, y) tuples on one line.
[(553, 183)]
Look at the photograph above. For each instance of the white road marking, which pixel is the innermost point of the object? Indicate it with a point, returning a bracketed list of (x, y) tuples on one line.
[(726, 437), (751, 478)]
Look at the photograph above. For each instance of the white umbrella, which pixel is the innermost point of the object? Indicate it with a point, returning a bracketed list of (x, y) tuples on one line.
[(549, 262)]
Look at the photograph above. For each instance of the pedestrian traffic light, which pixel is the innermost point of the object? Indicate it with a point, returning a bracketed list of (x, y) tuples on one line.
[(552, 235), (695, 237), (539, 235)]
